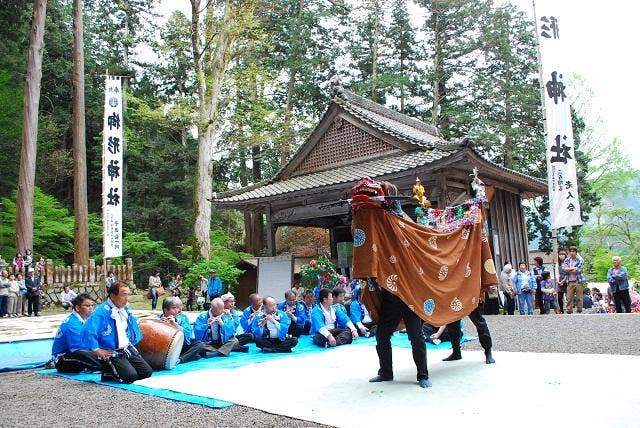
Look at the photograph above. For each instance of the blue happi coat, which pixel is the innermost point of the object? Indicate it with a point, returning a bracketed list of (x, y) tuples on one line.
[(202, 332), (299, 312), (69, 335), (318, 321), (99, 330), (259, 331), (183, 321)]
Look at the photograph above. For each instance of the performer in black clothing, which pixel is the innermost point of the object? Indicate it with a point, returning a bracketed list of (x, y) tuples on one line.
[(393, 310), (455, 333)]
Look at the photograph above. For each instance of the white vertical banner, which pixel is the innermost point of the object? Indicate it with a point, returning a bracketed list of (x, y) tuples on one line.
[(561, 161), (112, 168)]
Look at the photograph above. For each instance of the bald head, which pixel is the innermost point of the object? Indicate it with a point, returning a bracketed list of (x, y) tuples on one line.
[(269, 305)]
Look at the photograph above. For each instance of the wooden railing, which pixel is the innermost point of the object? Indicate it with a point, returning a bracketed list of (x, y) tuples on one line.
[(88, 279)]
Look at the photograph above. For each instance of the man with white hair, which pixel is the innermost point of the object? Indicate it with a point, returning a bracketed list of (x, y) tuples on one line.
[(619, 284), (217, 329), (508, 289), (244, 336)]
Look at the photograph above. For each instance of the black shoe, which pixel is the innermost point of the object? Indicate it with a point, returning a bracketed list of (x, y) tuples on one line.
[(381, 379), (455, 355), (50, 365), (488, 357), (268, 350), (243, 348), (108, 377)]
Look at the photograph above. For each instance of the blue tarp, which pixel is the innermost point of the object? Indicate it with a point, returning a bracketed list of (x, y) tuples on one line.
[(24, 354)]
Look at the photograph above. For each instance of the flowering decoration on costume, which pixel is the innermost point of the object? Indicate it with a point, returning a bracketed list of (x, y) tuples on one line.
[(456, 305), (358, 237), (429, 306)]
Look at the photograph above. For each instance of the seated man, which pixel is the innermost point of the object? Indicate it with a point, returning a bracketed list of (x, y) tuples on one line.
[(270, 329), (112, 332), (294, 310), (217, 329), (360, 315), (192, 350), (67, 352), (254, 309), (330, 327), (309, 302), (338, 294), (66, 297), (243, 336)]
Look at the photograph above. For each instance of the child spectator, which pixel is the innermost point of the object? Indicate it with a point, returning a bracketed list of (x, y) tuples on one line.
[(549, 292), (18, 263), (191, 295)]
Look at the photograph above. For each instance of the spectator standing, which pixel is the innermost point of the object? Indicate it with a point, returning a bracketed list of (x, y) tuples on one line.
[(549, 291), (537, 270), (619, 283), (562, 280), (28, 259), (66, 297), (22, 300), (41, 267), (508, 289), (214, 285), (191, 297), (110, 280), (12, 299), (572, 265), (154, 283), (525, 284), (18, 263), (34, 288), (4, 293)]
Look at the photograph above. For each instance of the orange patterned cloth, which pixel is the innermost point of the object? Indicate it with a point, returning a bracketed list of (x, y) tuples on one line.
[(440, 276)]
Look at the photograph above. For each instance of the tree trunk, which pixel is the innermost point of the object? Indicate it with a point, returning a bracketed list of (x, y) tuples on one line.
[(257, 223), (27, 174), (209, 75), (80, 209), (374, 49), (244, 182), (288, 112), (437, 65)]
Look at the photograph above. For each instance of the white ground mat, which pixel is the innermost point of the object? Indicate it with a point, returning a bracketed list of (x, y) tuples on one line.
[(522, 389)]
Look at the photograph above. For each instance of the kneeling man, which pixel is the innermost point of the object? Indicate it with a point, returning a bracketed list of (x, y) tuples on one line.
[(217, 330), (328, 326), (270, 330), (192, 350), (112, 332), (67, 352)]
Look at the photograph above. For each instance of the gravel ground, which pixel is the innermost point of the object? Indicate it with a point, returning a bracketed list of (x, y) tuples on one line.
[(30, 399)]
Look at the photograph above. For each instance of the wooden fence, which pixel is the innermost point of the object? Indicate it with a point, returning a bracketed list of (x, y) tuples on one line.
[(81, 278)]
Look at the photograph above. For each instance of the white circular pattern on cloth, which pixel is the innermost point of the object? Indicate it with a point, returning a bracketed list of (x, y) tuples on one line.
[(484, 237), (358, 237), (456, 305), (420, 270), (429, 306), (473, 300), (467, 271), (489, 266), (465, 232), (392, 282), (393, 259), (374, 248), (444, 271), (433, 242), (402, 225), (405, 243)]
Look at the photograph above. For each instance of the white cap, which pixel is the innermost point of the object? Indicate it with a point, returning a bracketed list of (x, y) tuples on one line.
[(227, 296)]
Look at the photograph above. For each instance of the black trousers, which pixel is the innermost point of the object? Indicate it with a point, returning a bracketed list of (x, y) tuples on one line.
[(342, 336), (539, 301), (244, 338), (192, 352), (622, 298), (127, 368), (392, 311), (295, 330), (276, 345), (561, 301), (509, 305), (455, 331), (34, 304), (77, 361), (307, 327)]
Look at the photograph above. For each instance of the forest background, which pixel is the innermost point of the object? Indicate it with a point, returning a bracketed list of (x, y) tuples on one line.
[(468, 66)]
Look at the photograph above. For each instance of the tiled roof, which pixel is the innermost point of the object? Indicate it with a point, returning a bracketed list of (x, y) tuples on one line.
[(343, 174), (390, 121)]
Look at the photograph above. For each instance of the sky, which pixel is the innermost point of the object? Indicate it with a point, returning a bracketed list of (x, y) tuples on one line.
[(600, 41)]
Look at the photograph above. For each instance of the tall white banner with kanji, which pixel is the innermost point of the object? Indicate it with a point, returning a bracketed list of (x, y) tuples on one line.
[(561, 160), (112, 168)]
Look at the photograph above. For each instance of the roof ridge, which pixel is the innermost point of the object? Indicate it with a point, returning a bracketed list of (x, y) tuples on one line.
[(360, 101)]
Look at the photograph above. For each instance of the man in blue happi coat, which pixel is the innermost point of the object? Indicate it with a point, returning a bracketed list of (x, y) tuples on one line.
[(294, 310), (217, 329), (67, 353), (330, 327), (111, 333), (192, 349), (270, 329)]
